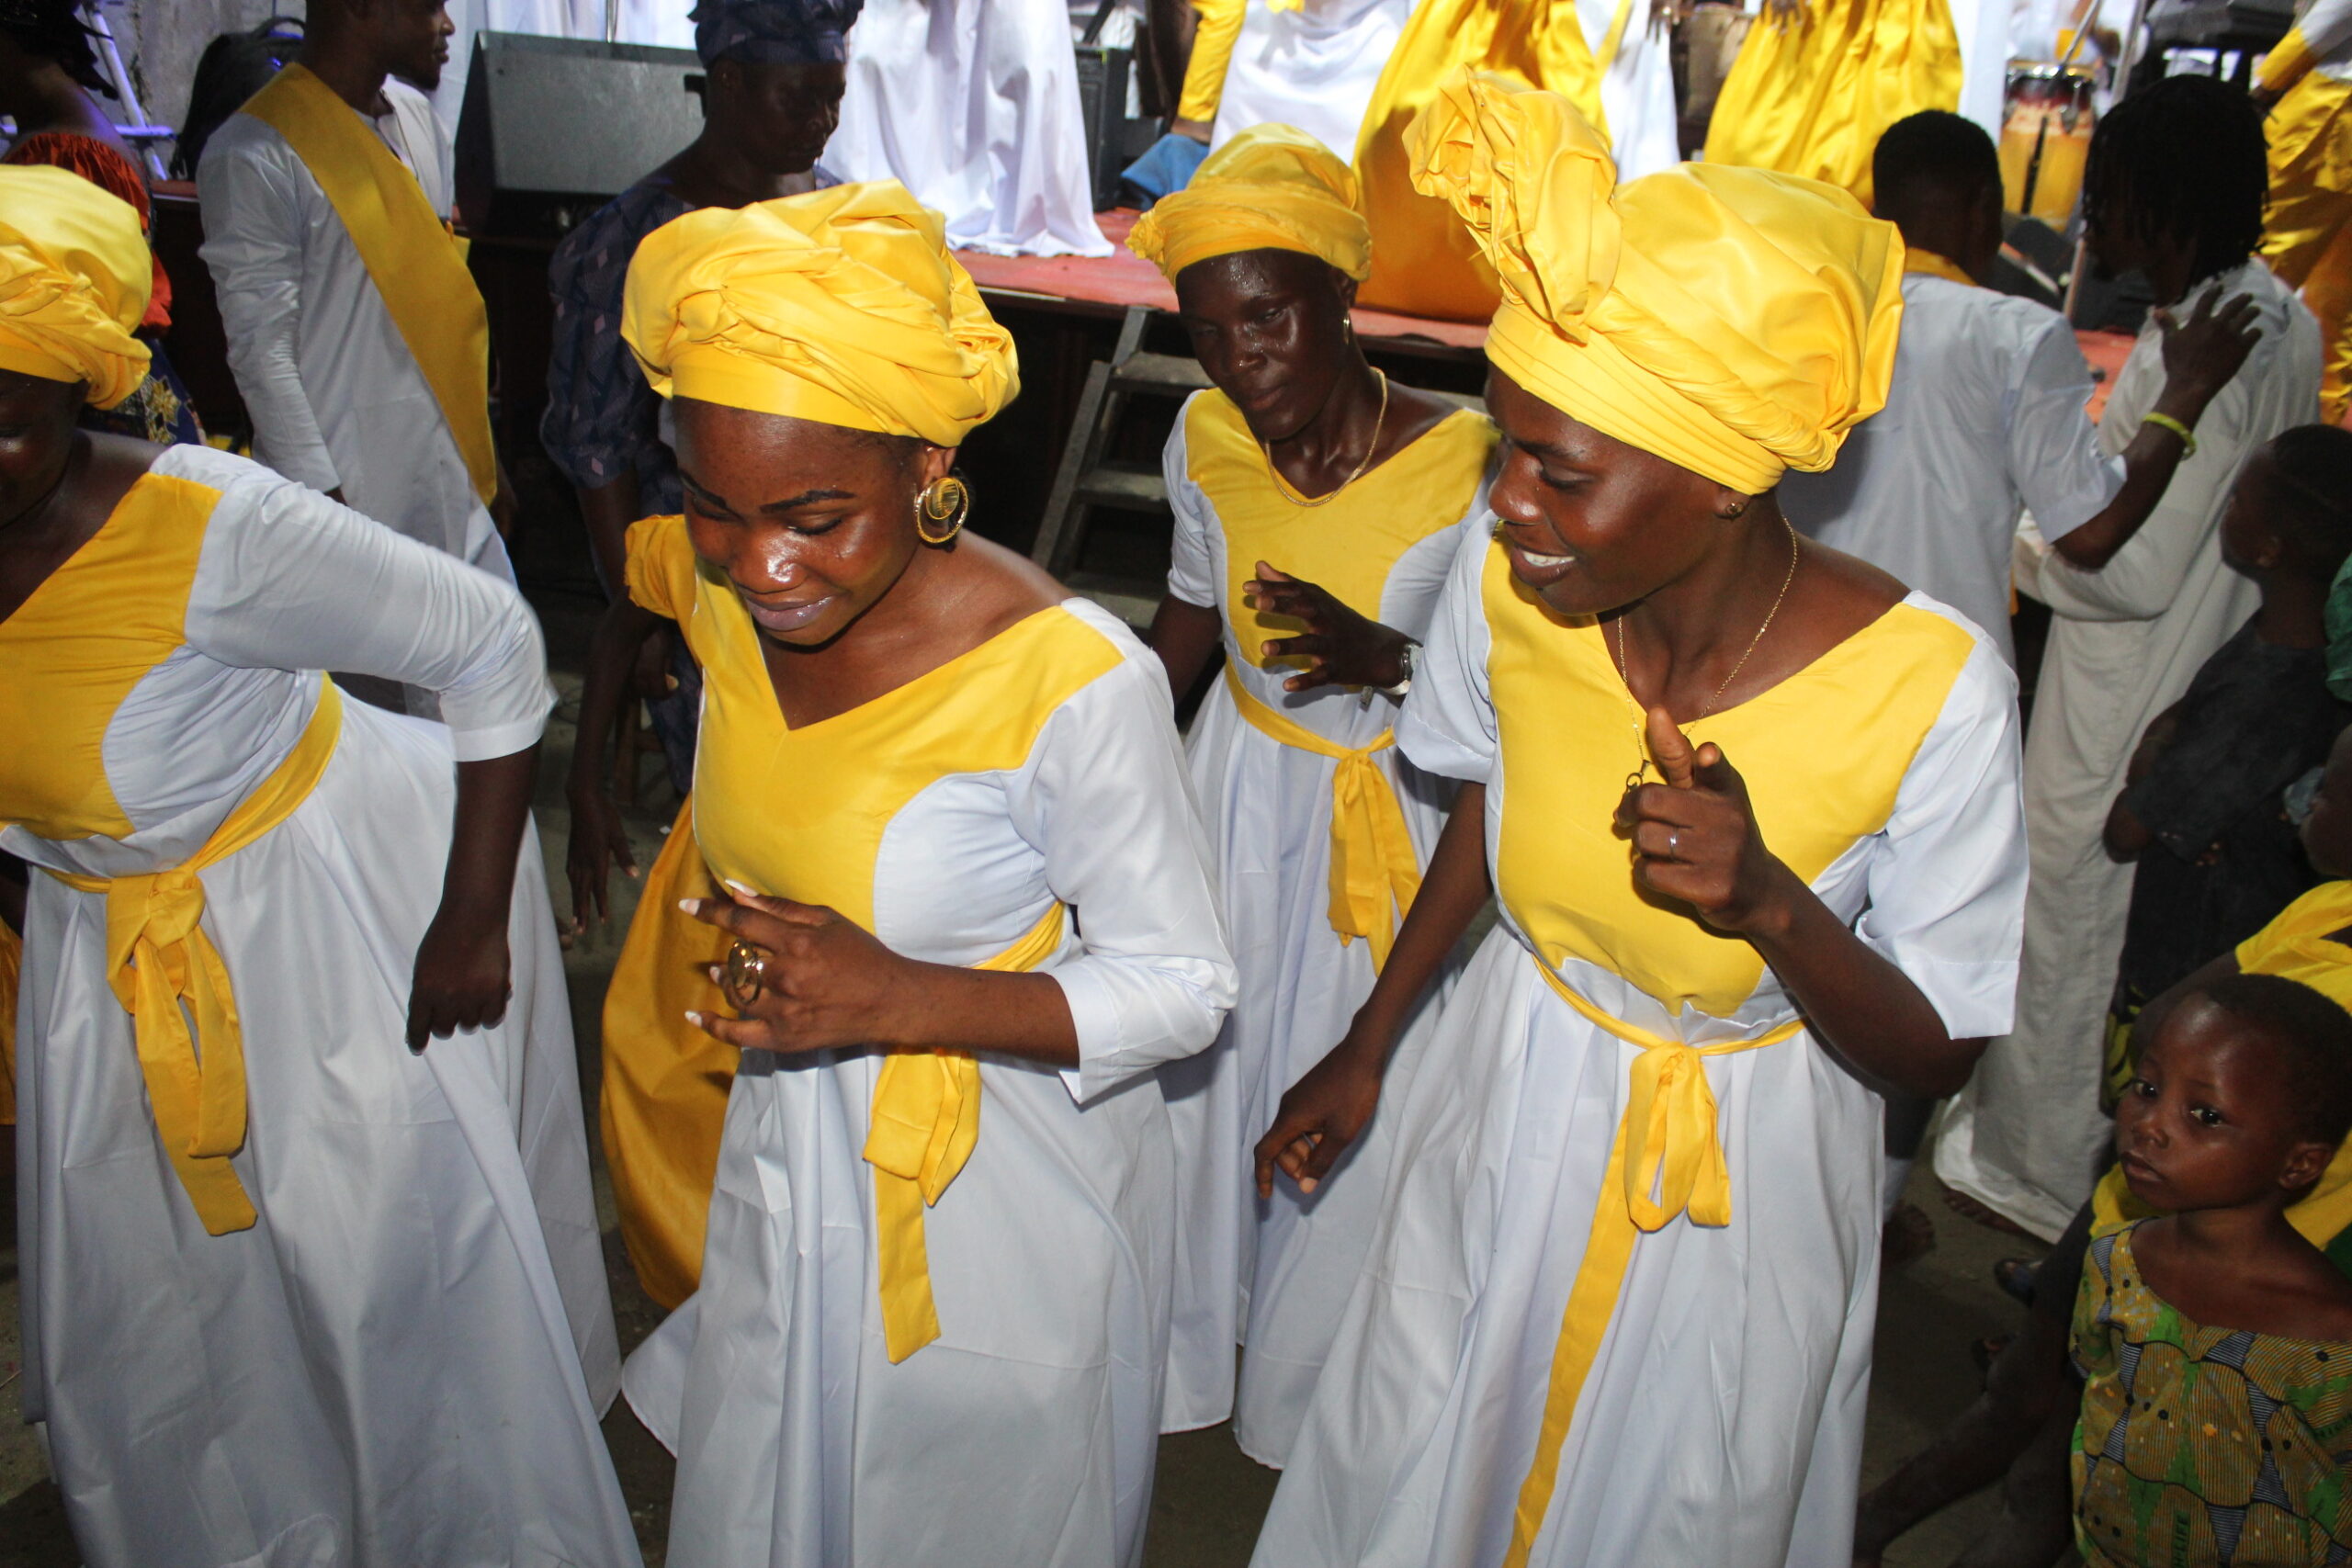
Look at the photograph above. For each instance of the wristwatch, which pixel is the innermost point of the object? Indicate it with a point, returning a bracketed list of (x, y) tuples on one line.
[(1405, 658)]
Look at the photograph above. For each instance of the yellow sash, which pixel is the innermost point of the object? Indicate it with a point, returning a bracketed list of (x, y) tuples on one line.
[(409, 253), (926, 1123), (1374, 873), (1665, 1140), (159, 960)]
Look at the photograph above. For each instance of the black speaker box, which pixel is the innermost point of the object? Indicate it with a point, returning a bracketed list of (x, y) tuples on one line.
[(1113, 141), (551, 129)]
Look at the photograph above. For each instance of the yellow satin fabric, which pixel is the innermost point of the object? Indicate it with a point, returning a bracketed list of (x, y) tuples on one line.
[(2302, 944), (2287, 62), (1374, 871), (410, 253), (74, 273), (925, 1123), (1934, 266), (159, 961), (1813, 96), (1213, 35), (843, 306), (1735, 322), (1666, 1140), (2307, 231), (1271, 187), (1423, 261)]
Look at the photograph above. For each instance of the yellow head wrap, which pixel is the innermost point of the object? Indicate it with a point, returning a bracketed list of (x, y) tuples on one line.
[(1735, 321), (842, 305), (1271, 187), (74, 273)]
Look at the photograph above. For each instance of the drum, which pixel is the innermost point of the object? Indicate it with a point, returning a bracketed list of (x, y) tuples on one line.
[(2046, 140)]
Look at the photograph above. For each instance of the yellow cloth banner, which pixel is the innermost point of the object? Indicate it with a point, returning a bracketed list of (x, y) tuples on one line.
[(159, 961), (925, 1123), (1666, 1140), (408, 253), (1374, 873)]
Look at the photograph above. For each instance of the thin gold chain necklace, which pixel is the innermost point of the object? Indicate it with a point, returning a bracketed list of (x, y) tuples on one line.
[(1625, 671), (1291, 495)]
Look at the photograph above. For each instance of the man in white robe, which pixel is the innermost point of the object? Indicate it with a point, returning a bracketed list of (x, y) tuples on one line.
[(338, 400), (2178, 196)]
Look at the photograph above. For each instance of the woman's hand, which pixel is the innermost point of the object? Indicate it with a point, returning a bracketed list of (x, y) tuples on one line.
[(823, 981), (2203, 354), (598, 842), (1695, 839), (1323, 1114), (1342, 648), (462, 972)]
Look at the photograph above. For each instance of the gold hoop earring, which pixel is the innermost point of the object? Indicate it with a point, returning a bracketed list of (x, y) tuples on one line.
[(945, 499)]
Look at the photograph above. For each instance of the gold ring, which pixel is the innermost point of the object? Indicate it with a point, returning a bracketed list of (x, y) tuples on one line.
[(747, 972)]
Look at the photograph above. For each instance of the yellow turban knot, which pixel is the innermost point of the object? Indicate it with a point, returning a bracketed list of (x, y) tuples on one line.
[(1271, 187), (1735, 321), (842, 305), (74, 273)]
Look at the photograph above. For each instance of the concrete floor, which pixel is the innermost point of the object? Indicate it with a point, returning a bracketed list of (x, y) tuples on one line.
[(1209, 1498)]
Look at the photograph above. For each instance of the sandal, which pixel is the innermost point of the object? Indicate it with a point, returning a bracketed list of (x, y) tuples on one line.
[(2016, 1277), (1909, 1235)]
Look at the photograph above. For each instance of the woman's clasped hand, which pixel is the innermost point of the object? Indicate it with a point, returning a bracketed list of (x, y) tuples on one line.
[(809, 980), (1695, 839)]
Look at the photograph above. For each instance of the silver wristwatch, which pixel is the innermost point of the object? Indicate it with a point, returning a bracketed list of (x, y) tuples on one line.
[(1405, 659)]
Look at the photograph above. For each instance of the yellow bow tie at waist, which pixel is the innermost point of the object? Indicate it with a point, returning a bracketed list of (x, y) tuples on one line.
[(1665, 1141), (925, 1123), (1374, 873), (158, 958)]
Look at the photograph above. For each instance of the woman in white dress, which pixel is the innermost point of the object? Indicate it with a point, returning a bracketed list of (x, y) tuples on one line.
[(1311, 63), (933, 1319), (1355, 492), (1621, 1305), (310, 1270)]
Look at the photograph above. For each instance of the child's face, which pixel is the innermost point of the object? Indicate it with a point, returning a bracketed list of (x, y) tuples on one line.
[(2327, 832), (2210, 1122), (2245, 530)]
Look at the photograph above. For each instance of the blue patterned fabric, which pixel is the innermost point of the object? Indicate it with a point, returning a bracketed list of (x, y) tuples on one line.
[(774, 32)]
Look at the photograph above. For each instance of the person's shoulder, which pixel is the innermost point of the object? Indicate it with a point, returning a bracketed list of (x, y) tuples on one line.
[(1978, 320), (242, 138)]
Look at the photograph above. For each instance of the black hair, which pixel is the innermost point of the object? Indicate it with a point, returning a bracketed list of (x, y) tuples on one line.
[(53, 30), (2186, 159), (2309, 495), (2315, 1033), (1931, 155)]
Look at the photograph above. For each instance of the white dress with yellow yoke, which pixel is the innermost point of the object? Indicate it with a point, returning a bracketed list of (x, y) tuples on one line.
[(1019, 806), (1275, 1274), (1544, 1362), (379, 1357)]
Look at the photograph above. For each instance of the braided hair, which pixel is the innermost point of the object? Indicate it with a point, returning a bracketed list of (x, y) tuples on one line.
[(53, 30), (2184, 159)]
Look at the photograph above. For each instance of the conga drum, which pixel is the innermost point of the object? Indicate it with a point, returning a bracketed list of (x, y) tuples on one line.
[(2046, 140)]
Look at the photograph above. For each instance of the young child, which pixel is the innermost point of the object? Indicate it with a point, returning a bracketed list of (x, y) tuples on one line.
[(2203, 812), (2215, 1342)]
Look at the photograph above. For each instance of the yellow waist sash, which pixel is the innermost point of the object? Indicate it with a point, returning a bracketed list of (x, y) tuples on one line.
[(925, 1123), (1374, 873), (409, 254), (1667, 1140), (158, 958)]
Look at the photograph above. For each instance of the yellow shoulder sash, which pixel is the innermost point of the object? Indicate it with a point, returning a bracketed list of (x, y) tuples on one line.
[(408, 252)]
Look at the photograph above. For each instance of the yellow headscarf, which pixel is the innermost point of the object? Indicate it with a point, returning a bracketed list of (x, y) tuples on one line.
[(1735, 321), (74, 273), (1271, 187), (842, 305)]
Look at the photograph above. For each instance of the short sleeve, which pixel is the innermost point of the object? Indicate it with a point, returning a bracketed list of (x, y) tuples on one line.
[(2055, 459), (2091, 1342), (661, 573), (1947, 888), (1191, 564), (1447, 726)]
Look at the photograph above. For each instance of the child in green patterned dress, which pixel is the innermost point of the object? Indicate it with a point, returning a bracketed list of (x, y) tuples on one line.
[(2215, 1343)]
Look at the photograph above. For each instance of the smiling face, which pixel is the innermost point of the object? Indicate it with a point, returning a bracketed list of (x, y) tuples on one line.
[(1270, 328), (779, 117), (2212, 1119), (812, 525), (36, 425), (1589, 522)]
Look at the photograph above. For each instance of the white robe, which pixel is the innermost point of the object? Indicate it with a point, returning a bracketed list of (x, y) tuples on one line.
[(1314, 67), (1984, 29), (972, 105), (1025, 1434), (2026, 1137), (1274, 1275), (1637, 90), (337, 401), (1722, 1419), (387, 1368)]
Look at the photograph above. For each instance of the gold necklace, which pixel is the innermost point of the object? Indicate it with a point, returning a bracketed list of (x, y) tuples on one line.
[(1624, 671), (1291, 495)]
